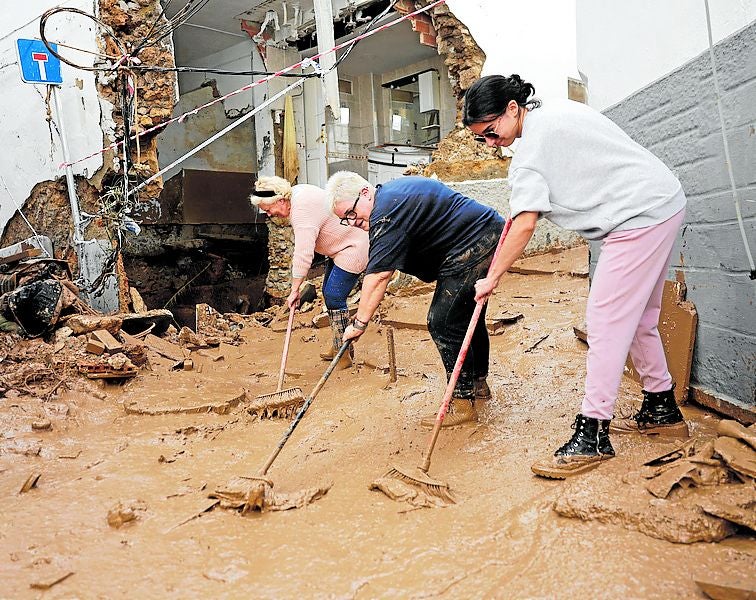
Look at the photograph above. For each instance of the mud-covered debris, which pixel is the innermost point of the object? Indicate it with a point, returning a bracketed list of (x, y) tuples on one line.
[(50, 582), (126, 511), (31, 482), (81, 324), (41, 425), (402, 492), (252, 494), (20, 446)]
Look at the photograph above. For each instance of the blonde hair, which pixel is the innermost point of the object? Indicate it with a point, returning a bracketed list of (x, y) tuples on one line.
[(344, 185), (279, 185)]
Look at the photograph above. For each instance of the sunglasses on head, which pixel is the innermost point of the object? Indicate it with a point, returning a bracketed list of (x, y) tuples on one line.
[(265, 193)]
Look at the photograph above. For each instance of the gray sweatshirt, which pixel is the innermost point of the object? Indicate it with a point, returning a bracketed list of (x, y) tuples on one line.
[(582, 172)]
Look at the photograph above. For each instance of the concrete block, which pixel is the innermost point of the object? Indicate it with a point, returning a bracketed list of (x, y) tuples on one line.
[(719, 207), (725, 362), (717, 246), (723, 300)]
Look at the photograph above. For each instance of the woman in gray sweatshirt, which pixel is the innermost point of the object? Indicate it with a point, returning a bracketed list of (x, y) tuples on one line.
[(578, 169)]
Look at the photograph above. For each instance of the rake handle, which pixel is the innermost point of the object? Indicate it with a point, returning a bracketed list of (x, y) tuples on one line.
[(460, 360), (318, 386), (285, 355)]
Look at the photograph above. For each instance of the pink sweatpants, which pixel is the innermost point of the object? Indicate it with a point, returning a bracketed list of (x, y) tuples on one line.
[(623, 313)]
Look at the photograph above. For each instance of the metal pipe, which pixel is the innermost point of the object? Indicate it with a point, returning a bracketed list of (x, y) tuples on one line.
[(73, 199)]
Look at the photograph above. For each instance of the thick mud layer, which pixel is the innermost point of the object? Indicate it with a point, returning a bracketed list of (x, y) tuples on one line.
[(121, 506)]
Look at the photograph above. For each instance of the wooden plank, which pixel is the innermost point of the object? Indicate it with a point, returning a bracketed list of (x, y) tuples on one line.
[(106, 338), (28, 253)]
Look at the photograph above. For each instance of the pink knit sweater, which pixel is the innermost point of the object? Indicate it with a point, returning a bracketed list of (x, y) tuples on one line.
[(316, 229)]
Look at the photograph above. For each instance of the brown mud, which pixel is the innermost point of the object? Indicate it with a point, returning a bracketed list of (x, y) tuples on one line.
[(146, 455)]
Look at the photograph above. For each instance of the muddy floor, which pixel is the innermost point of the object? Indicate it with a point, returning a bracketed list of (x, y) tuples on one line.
[(502, 539)]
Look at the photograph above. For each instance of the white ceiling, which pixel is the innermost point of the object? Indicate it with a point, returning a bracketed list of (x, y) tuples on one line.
[(384, 51)]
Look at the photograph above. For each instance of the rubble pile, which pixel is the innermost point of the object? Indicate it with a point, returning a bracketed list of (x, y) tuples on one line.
[(702, 490)]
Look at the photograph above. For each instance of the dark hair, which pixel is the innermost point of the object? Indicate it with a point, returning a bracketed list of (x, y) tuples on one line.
[(488, 97)]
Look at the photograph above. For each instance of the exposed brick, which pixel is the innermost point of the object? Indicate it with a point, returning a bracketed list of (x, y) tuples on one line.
[(428, 40)]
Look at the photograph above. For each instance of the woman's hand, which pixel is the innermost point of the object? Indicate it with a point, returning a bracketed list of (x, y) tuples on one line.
[(484, 288), (351, 333), (293, 299)]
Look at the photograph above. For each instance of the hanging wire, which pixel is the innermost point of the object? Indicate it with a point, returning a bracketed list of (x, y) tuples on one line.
[(733, 187)]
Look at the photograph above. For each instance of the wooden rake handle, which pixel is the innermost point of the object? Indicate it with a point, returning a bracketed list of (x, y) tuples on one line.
[(318, 386), (460, 359), (285, 355)]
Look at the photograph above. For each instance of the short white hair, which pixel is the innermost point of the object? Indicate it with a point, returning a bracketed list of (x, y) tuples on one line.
[(272, 183), (344, 185)]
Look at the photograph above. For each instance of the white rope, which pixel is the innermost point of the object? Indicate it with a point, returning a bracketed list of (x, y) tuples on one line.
[(727, 145)]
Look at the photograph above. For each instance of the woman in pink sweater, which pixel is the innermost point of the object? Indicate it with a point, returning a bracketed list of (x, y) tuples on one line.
[(317, 229)]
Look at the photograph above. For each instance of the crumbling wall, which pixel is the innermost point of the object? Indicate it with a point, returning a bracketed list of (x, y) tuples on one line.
[(155, 91), (47, 208), (459, 157), (280, 249)]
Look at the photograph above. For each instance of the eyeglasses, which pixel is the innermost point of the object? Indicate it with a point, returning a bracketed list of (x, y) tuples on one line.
[(490, 133), (351, 214)]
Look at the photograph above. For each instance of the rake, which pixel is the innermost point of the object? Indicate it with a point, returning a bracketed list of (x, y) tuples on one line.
[(281, 403), (255, 497), (418, 476)]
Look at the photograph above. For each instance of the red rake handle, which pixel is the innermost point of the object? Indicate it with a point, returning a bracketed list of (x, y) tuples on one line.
[(460, 359), (286, 349)]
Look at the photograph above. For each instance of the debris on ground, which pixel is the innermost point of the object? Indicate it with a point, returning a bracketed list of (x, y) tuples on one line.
[(251, 494), (126, 511), (701, 490)]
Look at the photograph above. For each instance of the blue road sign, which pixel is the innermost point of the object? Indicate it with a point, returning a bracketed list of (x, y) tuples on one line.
[(37, 64)]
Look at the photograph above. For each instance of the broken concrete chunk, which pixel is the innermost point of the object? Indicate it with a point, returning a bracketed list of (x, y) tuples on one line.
[(137, 302), (81, 324)]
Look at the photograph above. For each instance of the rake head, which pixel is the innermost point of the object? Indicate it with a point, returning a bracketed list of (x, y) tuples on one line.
[(277, 405), (419, 479)]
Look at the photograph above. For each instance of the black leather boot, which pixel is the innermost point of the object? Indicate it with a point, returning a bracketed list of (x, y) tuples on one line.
[(658, 415), (586, 449)]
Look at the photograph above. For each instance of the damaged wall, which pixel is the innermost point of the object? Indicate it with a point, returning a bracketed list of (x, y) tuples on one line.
[(93, 119), (676, 118), (29, 125)]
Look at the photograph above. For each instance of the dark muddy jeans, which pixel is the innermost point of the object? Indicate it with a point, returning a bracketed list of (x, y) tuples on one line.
[(449, 315)]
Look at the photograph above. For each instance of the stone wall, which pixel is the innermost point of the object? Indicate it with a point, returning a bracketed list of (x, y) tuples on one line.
[(676, 118), (496, 193)]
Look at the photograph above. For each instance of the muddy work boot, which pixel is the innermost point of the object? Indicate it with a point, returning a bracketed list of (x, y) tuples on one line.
[(587, 448), (658, 415), (339, 321), (461, 411), (482, 391)]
